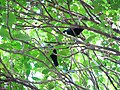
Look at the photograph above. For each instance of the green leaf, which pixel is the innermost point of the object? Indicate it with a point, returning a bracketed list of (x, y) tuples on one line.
[(45, 71), (50, 86), (21, 36), (38, 65), (2, 2), (11, 18), (1, 66), (5, 45), (116, 47), (28, 72), (41, 56), (35, 78), (60, 37), (89, 39), (4, 33)]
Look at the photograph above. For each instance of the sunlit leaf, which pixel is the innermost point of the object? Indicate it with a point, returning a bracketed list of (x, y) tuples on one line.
[(45, 71), (10, 18)]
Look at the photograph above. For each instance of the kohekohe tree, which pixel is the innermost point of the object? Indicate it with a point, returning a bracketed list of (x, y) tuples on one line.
[(59, 44)]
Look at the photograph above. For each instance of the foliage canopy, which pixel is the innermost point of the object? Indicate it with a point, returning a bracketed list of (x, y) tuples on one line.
[(31, 29)]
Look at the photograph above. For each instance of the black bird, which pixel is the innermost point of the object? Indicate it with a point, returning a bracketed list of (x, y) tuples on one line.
[(54, 57), (73, 31)]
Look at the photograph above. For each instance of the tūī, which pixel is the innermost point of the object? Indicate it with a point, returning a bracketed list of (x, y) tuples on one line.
[(73, 31), (54, 57)]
